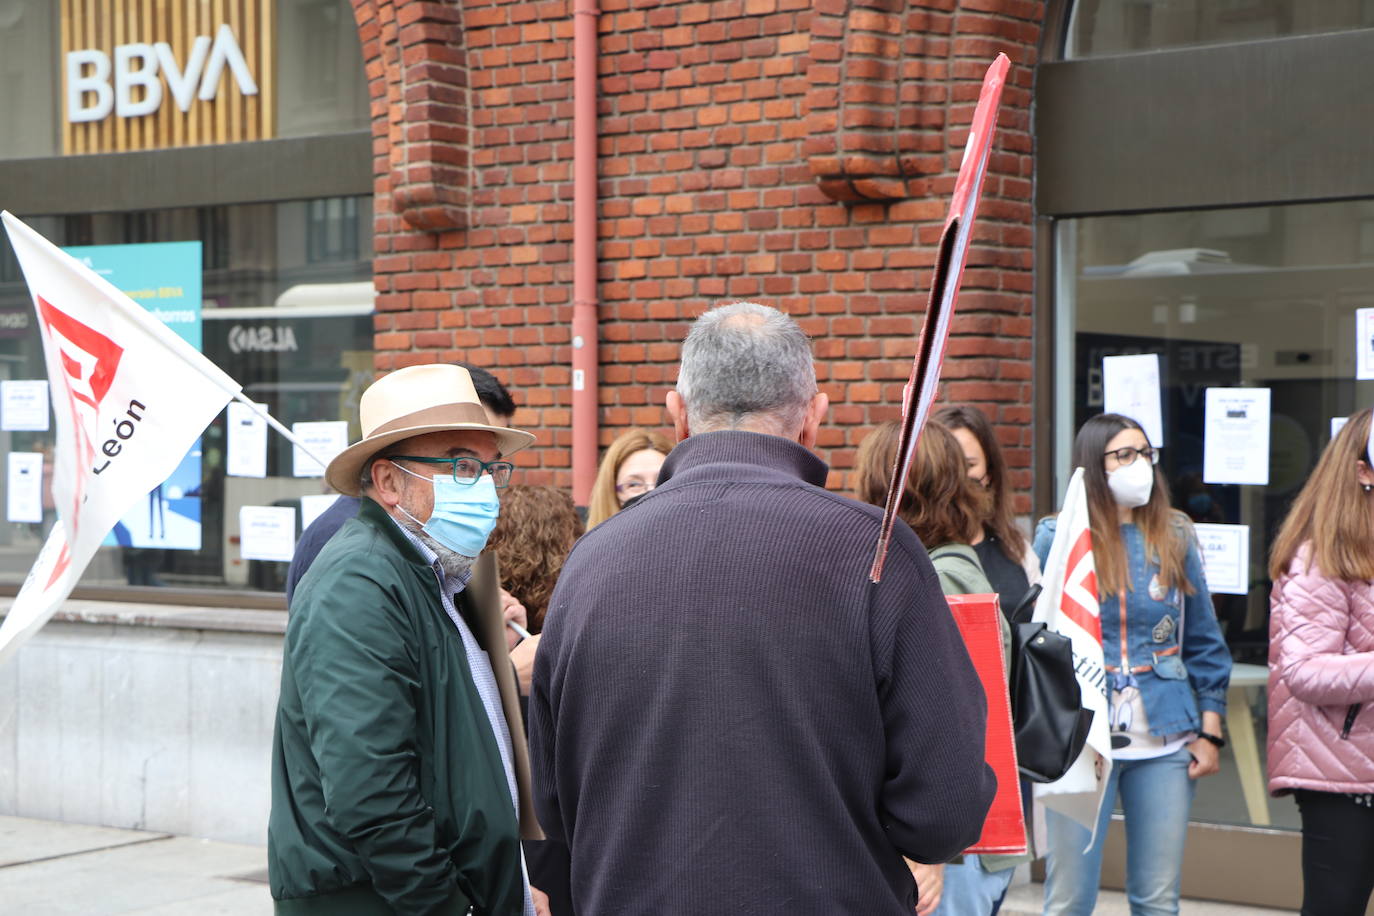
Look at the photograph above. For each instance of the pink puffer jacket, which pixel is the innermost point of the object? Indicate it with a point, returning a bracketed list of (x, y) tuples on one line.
[(1321, 682)]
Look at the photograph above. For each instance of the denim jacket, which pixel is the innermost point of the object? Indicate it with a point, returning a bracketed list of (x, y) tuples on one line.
[(1186, 682)]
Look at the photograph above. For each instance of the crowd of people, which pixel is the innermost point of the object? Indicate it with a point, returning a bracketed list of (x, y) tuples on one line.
[(697, 702)]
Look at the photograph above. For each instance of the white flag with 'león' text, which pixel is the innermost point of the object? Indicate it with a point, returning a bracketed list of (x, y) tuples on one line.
[(130, 398)]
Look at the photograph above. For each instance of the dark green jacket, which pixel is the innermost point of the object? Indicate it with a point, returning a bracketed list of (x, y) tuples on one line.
[(388, 792)]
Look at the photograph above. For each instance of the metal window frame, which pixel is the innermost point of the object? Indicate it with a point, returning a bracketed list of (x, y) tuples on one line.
[(1283, 120), (1277, 121)]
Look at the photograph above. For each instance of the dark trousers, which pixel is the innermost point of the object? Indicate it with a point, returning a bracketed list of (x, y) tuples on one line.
[(1337, 854)]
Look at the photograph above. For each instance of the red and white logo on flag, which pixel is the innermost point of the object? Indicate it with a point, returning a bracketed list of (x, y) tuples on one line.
[(1069, 606), (129, 398), (1079, 599), (89, 362)]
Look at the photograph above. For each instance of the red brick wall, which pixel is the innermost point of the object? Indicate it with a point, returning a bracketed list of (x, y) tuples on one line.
[(727, 131)]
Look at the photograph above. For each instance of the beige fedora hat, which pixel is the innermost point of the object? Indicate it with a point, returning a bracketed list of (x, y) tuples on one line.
[(411, 402)]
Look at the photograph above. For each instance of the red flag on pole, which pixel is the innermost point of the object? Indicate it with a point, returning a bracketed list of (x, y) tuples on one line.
[(944, 290)]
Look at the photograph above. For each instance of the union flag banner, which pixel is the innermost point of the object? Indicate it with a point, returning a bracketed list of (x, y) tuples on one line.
[(921, 387), (1068, 605), (129, 396)]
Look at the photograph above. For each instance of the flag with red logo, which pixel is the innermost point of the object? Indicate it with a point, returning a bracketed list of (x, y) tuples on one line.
[(1068, 605), (129, 396)]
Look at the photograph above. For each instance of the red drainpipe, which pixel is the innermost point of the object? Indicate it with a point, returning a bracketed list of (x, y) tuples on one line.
[(584, 357)]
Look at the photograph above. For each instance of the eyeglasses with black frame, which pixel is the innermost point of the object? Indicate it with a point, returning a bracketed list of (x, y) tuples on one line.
[(467, 470), (1126, 456)]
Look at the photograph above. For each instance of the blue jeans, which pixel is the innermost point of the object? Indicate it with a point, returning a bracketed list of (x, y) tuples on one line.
[(1156, 795), (971, 890)]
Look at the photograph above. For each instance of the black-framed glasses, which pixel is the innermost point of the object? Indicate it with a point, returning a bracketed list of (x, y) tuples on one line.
[(467, 470), (1127, 455)]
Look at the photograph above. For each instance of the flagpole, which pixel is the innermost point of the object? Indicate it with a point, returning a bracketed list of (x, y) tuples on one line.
[(272, 421)]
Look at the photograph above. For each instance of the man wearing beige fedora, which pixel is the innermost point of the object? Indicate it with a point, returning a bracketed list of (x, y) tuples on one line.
[(400, 780)]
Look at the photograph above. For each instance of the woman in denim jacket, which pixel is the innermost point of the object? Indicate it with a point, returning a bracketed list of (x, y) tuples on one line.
[(1167, 673)]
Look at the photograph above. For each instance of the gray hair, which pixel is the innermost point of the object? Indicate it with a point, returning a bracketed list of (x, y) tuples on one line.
[(745, 364), (385, 454)]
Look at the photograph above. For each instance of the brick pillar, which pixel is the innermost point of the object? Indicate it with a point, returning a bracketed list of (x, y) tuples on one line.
[(713, 116)]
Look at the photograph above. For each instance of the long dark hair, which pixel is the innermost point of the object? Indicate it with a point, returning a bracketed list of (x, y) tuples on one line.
[(940, 502), (1165, 530), (1001, 520)]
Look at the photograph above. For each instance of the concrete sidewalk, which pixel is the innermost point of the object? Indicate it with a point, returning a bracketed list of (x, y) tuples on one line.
[(55, 869)]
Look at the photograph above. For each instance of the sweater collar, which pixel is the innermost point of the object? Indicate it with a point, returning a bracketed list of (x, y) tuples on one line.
[(734, 446)]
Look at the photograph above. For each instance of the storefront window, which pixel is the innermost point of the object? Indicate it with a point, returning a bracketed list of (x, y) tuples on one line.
[(1260, 297), (1103, 27), (289, 319)]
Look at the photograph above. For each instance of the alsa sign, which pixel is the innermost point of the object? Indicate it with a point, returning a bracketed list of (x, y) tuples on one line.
[(95, 85)]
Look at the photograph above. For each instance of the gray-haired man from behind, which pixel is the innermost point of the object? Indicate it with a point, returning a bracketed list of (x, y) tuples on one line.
[(726, 715)]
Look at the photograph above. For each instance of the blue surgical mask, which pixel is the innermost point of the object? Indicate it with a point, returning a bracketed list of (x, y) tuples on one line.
[(464, 513)]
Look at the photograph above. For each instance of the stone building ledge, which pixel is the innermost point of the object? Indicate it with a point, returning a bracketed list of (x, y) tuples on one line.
[(174, 616)]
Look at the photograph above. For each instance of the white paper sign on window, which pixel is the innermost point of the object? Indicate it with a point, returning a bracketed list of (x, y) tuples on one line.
[(247, 441), (267, 533), (1364, 344), (24, 492), (1236, 447), (325, 438), (1226, 557), (1130, 387), (24, 405), (314, 505)]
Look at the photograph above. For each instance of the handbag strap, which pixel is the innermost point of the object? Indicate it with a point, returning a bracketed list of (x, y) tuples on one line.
[(1026, 608)]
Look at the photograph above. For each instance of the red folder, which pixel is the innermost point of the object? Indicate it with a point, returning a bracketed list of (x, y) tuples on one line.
[(980, 624)]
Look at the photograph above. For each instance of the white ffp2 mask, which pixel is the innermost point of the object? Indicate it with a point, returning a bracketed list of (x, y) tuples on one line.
[(1131, 485)]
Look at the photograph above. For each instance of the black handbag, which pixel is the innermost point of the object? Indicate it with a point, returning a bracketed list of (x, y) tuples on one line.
[(1047, 711)]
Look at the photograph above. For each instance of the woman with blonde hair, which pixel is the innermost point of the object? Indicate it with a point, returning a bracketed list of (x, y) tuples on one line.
[(628, 469), (1321, 672), (1167, 672), (946, 509)]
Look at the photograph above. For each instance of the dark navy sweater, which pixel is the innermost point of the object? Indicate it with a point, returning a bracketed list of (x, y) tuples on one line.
[(727, 717)]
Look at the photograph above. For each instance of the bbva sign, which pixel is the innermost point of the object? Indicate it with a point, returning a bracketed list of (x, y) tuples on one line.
[(138, 64)]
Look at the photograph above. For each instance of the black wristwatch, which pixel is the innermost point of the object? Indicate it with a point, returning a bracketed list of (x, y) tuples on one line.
[(1219, 741)]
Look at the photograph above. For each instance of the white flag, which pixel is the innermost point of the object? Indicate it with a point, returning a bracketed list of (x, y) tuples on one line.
[(129, 396), (1069, 606)]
